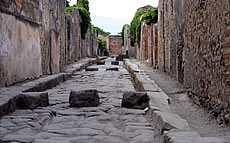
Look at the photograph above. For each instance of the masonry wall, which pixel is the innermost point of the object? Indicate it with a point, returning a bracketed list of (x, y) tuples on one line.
[(148, 49), (39, 38), (194, 47), (73, 37), (53, 36), (20, 54), (207, 49)]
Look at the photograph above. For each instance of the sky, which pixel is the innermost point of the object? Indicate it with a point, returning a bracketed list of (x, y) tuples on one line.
[(111, 15)]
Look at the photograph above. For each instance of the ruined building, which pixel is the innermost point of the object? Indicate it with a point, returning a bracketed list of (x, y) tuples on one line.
[(38, 37), (114, 45), (193, 47)]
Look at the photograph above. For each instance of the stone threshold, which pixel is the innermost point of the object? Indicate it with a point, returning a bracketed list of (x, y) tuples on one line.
[(170, 125)]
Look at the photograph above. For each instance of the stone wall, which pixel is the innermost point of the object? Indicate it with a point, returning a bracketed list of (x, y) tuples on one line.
[(194, 46), (207, 49), (73, 36), (39, 38), (148, 49), (89, 45), (53, 22), (19, 41)]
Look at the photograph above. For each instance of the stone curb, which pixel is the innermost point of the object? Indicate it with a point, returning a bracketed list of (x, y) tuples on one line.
[(8, 95), (173, 128)]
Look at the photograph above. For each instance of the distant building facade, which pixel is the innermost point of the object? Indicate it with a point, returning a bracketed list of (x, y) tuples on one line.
[(114, 45)]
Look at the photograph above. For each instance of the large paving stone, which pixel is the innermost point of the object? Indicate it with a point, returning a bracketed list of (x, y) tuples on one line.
[(84, 98), (32, 100), (159, 101), (18, 138), (166, 121), (135, 100)]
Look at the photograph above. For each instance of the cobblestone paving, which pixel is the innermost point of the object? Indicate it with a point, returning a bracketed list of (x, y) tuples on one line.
[(58, 123)]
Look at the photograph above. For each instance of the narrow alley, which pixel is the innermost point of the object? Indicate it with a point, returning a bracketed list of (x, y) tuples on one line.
[(107, 123), (133, 71)]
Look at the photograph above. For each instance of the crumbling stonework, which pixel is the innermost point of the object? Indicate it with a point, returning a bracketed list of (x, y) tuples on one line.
[(53, 23), (19, 41), (127, 46), (148, 50), (39, 38), (73, 36), (89, 45), (194, 47)]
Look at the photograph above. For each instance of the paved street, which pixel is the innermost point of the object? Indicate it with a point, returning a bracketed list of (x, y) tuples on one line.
[(58, 123)]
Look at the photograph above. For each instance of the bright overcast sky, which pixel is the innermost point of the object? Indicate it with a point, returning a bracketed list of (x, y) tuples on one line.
[(111, 15)]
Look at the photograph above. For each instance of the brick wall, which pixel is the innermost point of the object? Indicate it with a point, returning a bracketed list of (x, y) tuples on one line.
[(115, 45)]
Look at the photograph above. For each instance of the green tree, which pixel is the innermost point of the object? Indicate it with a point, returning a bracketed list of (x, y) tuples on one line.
[(122, 33), (83, 6), (134, 26), (99, 30), (151, 16), (83, 3)]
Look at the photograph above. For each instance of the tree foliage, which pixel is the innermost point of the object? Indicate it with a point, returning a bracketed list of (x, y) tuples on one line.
[(83, 6), (134, 25), (123, 34), (151, 16), (99, 30)]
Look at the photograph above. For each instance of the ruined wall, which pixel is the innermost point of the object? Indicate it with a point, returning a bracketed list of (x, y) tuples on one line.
[(127, 46), (114, 45), (207, 49), (89, 45), (148, 49), (73, 37), (20, 54), (53, 22), (194, 47)]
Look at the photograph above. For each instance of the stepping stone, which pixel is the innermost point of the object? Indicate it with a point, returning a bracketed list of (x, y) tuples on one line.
[(91, 69), (32, 100), (135, 100), (115, 63), (112, 69), (100, 62), (84, 98)]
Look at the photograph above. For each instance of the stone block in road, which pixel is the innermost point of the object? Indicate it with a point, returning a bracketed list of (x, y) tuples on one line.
[(84, 98), (115, 63), (112, 69), (91, 69), (100, 62), (32, 100), (135, 100)]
